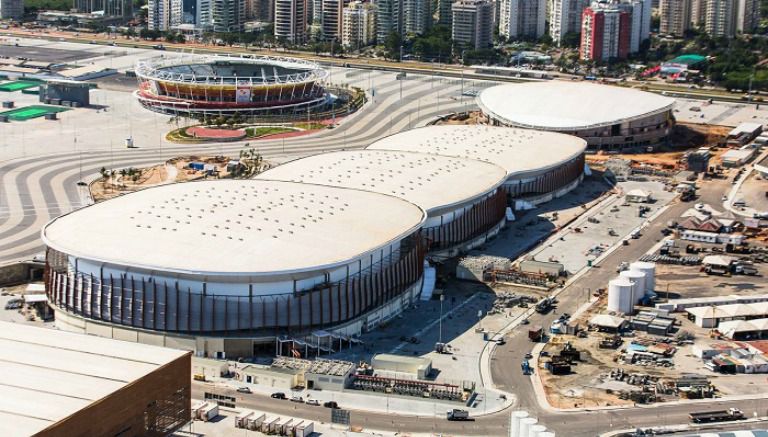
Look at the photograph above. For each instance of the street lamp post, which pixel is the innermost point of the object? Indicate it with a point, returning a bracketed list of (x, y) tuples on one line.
[(440, 335)]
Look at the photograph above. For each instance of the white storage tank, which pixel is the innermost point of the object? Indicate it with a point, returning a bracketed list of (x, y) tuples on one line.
[(536, 430), (620, 295), (514, 426), (525, 426), (638, 292), (650, 275)]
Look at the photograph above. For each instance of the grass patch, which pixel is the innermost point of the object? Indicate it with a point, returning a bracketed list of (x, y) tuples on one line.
[(255, 132), (310, 126)]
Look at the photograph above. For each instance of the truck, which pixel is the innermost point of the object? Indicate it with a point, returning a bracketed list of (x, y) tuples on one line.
[(717, 416), (457, 414), (544, 306), (526, 367), (535, 333)]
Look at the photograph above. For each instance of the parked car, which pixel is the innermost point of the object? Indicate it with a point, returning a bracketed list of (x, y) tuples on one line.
[(313, 402), (331, 404), (298, 399), (244, 390), (279, 395)]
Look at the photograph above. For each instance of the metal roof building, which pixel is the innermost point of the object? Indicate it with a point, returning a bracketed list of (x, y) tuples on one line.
[(461, 196), (228, 258), (607, 117), (537, 163), (55, 383)]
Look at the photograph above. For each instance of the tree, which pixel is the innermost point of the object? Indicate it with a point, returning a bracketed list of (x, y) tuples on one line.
[(571, 40), (392, 44)]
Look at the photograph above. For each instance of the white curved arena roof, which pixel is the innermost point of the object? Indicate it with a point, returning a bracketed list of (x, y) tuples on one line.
[(518, 151), (562, 105), (254, 227), (435, 183)]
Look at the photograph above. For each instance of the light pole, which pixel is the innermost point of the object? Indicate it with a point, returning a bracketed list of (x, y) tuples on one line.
[(440, 335)]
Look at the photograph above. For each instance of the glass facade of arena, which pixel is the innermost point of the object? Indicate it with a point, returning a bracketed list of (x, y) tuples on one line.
[(164, 306), (548, 182), (479, 219)]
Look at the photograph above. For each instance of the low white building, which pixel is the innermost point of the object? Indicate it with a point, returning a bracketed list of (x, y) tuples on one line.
[(639, 196), (606, 322), (711, 237), (737, 157), (420, 367), (744, 329), (713, 316)]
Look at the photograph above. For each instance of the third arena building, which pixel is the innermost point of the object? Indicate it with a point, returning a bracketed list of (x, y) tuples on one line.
[(607, 117)]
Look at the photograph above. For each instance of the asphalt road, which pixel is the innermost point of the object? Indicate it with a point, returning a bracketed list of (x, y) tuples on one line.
[(507, 375)]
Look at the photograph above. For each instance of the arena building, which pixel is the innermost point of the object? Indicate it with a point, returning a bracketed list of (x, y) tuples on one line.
[(607, 117), (461, 196), (539, 165), (220, 266), (229, 84)]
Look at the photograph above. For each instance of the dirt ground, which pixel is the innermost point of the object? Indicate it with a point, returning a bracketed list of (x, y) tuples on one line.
[(474, 117), (172, 171)]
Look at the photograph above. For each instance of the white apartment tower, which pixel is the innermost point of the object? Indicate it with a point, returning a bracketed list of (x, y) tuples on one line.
[(359, 25), (417, 16), (163, 14), (291, 20), (228, 15), (522, 18), (389, 18), (641, 23), (472, 23), (565, 17), (675, 17), (720, 18), (332, 16)]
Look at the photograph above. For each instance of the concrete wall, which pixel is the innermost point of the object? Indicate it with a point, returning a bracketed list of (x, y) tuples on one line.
[(19, 272)]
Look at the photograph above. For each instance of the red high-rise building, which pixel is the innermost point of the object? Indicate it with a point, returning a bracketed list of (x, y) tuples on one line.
[(605, 32)]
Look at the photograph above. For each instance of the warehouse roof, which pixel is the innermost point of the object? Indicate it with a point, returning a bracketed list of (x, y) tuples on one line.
[(252, 227), (732, 327), (565, 105), (435, 183), (47, 375), (518, 151), (732, 310)]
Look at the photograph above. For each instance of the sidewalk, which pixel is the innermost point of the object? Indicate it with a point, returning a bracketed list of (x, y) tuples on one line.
[(683, 428), (487, 401)]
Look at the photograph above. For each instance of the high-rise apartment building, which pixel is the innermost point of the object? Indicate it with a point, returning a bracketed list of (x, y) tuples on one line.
[(720, 18), (565, 17), (359, 25), (228, 15), (11, 9), (111, 8), (291, 20), (389, 18), (472, 23), (640, 11), (675, 17), (606, 30), (333, 16), (747, 15), (522, 18), (417, 16), (444, 12), (698, 13), (163, 14)]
